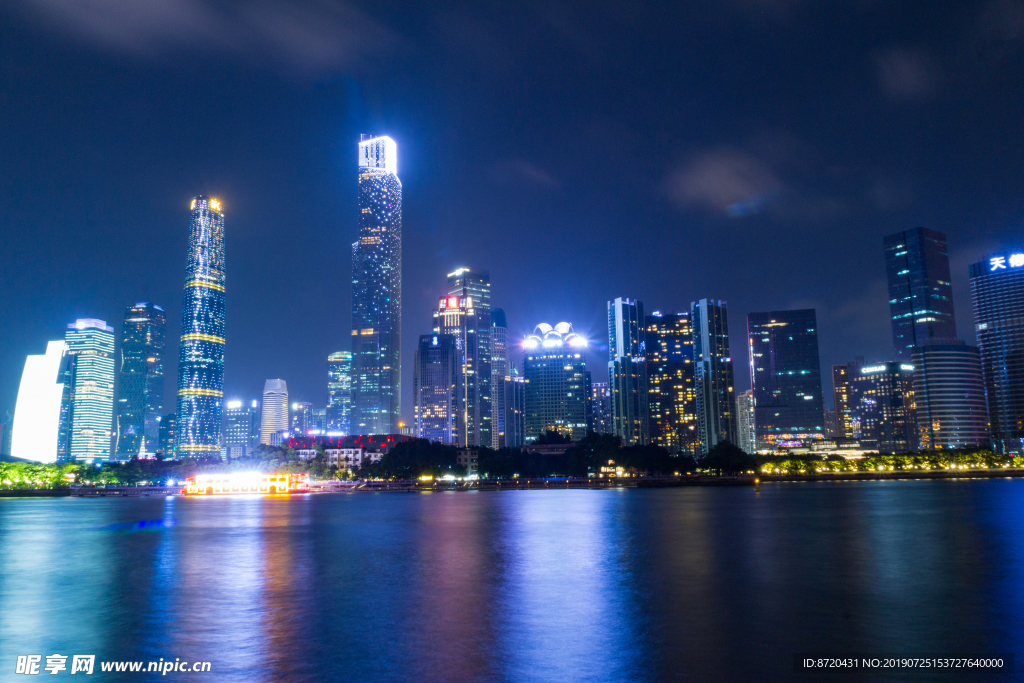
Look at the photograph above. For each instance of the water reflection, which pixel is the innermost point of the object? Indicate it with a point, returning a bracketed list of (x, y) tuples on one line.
[(695, 584)]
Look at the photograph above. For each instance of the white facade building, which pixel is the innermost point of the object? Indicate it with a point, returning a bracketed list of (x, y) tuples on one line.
[(37, 412)]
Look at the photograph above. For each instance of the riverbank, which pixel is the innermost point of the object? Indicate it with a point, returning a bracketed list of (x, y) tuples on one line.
[(881, 475)]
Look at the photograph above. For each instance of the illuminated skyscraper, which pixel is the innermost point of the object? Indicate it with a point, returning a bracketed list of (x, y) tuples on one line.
[(274, 412), (437, 388), (87, 407), (785, 375), (949, 392), (459, 317), (34, 433), (920, 293), (241, 428), (201, 355), (339, 391), (883, 407), (302, 418), (168, 435), (501, 378), (997, 295), (557, 382), (474, 286), (745, 429), (672, 396), (713, 374), (377, 291), (627, 371), (140, 401), (600, 408)]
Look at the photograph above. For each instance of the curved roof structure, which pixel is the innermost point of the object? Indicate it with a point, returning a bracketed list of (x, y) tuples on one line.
[(548, 337)]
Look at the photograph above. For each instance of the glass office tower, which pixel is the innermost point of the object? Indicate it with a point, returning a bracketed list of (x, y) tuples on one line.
[(557, 382), (273, 411), (459, 317), (785, 374), (501, 379), (87, 407), (201, 355), (140, 401), (377, 291), (627, 371), (920, 293), (950, 395), (997, 296), (713, 374), (339, 391), (672, 402), (437, 388), (474, 285), (241, 428), (883, 407)]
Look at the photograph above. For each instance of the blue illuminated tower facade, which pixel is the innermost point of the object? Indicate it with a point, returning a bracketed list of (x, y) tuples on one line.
[(141, 391), (377, 291), (920, 292), (201, 356)]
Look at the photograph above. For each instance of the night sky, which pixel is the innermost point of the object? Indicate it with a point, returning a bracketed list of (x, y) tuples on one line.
[(749, 150)]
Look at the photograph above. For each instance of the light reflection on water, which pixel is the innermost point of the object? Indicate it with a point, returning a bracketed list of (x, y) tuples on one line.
[(670, 584)]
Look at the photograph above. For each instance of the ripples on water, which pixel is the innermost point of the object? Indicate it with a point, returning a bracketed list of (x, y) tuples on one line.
[(623, 585)]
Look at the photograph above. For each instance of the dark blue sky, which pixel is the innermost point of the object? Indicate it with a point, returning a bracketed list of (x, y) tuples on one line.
[(749, 150)]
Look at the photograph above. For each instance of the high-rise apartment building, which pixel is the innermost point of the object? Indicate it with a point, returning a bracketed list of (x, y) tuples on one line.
[(437, 388), (920, 292), (302, 418), (377, 291), (745, 425), (459, 317), (997, 297), (87, 405), (672, 396), (841, 374), (140, 401), (37, 412), (785, 374), (339, 391), (557, 382), (473, 286), (168, 445), (600, 408), (515, 426), (713, 374), (201, 353), (241, 428), (883, 407), (274, 411), (949, 392), (627, 371), (501, 377)]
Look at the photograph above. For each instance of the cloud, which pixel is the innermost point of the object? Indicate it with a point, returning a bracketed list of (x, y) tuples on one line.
[(519, 170), (307, 34), (907, 74), (724, 180)]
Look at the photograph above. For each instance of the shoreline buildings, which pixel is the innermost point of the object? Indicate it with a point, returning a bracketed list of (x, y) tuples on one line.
[(627, 372), (437, 388), (785, 374), (713, 374), (949, 391), (140, 400), (672, 397), (201, 355), (920, 289), (274, 412), (997, 297), (377, 291), (34, 430), (339, 392), (87, 405), (557, 382)]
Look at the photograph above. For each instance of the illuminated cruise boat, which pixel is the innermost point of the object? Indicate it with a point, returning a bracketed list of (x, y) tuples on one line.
[(246, 483)]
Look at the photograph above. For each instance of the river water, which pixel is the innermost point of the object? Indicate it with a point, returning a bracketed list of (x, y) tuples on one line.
[(717, 584)]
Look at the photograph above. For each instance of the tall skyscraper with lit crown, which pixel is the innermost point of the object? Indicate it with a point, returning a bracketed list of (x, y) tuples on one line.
[(377, 291), (87, 408), (201, 354)]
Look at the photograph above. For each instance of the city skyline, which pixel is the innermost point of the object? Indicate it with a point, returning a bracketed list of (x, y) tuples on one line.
[(813, 179)]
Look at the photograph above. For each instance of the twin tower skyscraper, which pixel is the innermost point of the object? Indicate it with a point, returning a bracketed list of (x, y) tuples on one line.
[(376, 309)]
